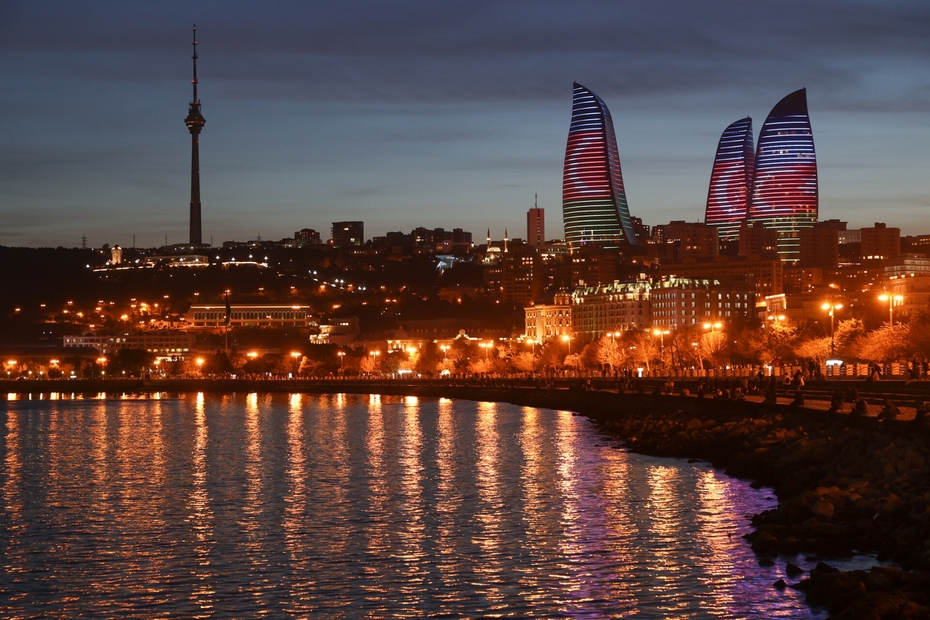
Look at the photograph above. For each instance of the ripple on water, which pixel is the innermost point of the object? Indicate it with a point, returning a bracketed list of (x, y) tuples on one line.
[(378, 507)]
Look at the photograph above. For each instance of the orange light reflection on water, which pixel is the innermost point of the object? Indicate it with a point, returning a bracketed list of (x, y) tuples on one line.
[(295, 503), (201, 515)]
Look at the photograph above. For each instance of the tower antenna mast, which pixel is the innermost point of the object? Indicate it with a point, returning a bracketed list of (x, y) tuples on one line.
[(195, 123)]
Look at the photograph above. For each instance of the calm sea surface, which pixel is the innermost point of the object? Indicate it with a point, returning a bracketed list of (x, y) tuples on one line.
[(360, 507)]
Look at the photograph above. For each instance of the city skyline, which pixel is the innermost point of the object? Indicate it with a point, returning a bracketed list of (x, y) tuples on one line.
[(402, 117)]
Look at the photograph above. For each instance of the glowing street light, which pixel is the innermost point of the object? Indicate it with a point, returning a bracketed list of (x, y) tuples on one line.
[(444, 348), (342, 359), (661, 333), (831, 308), (487, 346), (892, 300), (568, 340)]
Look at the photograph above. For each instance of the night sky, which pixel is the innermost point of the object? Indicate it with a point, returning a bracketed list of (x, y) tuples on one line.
[(437, 114)]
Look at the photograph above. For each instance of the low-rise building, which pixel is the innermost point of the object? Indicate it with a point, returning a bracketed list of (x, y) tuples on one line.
[(544, 321), (163, 343), (213, 316), (602, 309)]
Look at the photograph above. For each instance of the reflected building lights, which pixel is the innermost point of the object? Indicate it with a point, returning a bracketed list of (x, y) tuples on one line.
[(201, 515)]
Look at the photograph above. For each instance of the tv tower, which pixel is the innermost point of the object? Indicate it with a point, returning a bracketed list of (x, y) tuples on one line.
[(195, 122)]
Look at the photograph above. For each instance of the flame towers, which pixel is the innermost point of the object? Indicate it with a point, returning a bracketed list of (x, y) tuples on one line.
[(594, 207), (777, 187), (784, 189), (731, 180), (195, 123)]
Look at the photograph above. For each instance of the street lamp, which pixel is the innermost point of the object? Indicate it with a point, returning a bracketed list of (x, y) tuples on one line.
[(661, 333), (892, 300), (567, 339), (831, 308), (342, 359), (444, 348), (487, 349)]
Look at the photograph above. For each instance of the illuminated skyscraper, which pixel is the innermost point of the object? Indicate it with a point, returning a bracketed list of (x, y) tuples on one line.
[(784, 192), (195, 122), (731, 180), (594, 207)]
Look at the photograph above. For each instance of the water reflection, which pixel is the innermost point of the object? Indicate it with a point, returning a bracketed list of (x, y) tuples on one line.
[(295, 502), (201, 514), (360, 506), (489, 569)]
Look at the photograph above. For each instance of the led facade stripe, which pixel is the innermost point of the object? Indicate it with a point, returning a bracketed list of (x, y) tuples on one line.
[(784, 193), (731, 180), (594, 207)]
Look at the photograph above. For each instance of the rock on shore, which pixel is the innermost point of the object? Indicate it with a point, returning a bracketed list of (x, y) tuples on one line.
[(844, 485)]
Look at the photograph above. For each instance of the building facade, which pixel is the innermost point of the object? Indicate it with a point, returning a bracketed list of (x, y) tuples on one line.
[(213, 316), (545, 321), (346, 234), (766, 275), (536, 227), (607, 308), (820, 246), (881, 243), (594, 205), (784, 191), (677, 302), (731, 180), (163, 343)]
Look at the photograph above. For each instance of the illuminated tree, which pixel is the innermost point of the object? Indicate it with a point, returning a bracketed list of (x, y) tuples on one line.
[(815, 349), (751, 346), (645, 348), (888, 342), (523, 362), (847, 334), (551, 354), (573, 361), (611, 353), (369, 365)]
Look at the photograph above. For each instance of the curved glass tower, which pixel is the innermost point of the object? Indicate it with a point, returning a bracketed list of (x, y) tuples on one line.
[(594, 207), (731, 180), (784, 192)]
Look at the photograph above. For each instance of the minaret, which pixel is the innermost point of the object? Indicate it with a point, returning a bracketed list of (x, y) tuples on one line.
[(505, 240), (195, 122)]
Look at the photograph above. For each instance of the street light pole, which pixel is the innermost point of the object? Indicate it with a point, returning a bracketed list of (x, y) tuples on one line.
[(661, 334), (891, 299), (832, 308)]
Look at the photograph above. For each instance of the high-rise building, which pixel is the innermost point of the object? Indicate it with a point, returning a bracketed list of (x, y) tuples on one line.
[(820, 245), (195, 123), (731, 180), (784, 191), (680, 239), (536, 226), (348, 234), (757, 240), (594, 206), (881, 243)]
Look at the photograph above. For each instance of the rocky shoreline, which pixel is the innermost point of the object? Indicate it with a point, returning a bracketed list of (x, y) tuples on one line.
[(845, 485)]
